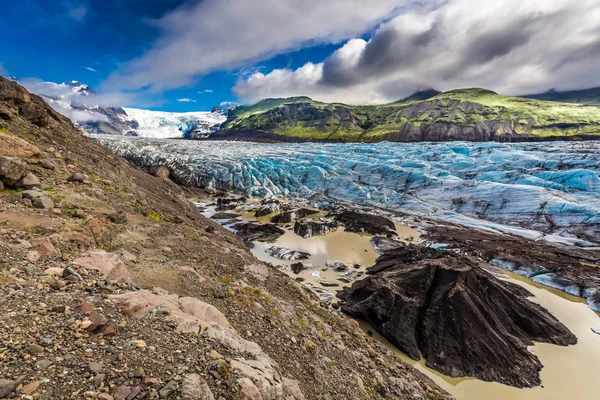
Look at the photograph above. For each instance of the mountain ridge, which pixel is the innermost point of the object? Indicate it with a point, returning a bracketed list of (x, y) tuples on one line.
[(472, 114)]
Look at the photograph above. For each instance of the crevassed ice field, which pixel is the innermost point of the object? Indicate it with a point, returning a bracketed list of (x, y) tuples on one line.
[(541, 190)]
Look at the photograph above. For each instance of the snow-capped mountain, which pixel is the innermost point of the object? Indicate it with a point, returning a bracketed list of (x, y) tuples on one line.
[(92, 114)]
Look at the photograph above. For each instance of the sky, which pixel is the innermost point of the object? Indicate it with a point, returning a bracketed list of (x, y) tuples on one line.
[(176, 55)]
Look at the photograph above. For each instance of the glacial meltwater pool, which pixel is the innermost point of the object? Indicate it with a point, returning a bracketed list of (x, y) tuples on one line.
[(569, 372)]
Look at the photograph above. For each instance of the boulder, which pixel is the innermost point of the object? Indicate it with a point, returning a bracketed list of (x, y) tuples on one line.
[(160, 171), (308, 229), (286, 254), (32, 194), (366, 223), (109, 264), (118, 217), (43, 202), (77, 177), (29, 181), (194, 387), (47, 164), (298, 267), (251, 232), (383, 245), (464, 321), (268, 207), (12, 146), (225, 215), (12, 170), (290, 216)]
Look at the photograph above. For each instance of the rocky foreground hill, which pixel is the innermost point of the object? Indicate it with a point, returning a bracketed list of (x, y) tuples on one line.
[(113, 286), (467, 114)]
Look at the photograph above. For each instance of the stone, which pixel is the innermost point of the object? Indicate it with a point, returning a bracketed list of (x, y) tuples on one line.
[(32, 194), (57, 285), (108, 264), (168, 389), (287, 254), (12, 146), (97, 320), (251, 232), (31, 388), (29, 181), (121, 392), (77, 177), (461, 318), (43, 365), (8, 386), (249, 390), (292, 216), (36, 349), (195, 388), (104, 396), (297, 267), (118, 217), (43, 202), (366, 223), (44, 246), (47, 164), (160, 171), (95, 367), (268, 207), (308, 229), (12, 170)]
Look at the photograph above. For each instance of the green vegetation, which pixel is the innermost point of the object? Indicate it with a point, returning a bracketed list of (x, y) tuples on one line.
[(465, 114)]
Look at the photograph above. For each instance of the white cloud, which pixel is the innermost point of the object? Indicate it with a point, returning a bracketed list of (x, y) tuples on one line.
[(77, 13), (91, 69), (228, 104), (460, 43), (186, 100), (225, 34), (205, 91)]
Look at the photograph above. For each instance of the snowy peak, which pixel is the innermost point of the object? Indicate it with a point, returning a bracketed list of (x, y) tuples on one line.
[(79, 102)]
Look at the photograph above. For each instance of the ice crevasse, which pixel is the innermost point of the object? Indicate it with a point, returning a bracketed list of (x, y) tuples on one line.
[(532, 189)]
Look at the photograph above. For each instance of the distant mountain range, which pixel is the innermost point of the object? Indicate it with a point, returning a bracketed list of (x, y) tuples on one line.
[(584, 96), (77, 101), (465, 114)]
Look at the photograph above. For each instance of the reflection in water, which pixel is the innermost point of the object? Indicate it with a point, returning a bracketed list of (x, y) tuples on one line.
[(569, 372)]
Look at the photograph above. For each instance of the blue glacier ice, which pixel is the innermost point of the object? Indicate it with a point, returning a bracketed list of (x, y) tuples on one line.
[(539, 190)]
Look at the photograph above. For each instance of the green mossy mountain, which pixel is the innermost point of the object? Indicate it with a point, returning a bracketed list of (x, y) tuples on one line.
[(464, 114), (584, 96)]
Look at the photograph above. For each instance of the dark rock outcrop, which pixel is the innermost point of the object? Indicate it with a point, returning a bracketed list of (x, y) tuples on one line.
[(251, 232), (293, 215), (308, 229), (287, 254), (366, 223), (382, 245), (462, 319), (268, 207), (297, 267)]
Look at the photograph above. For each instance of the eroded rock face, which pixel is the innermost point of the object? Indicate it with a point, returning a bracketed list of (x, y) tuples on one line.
[(287, 254), (268, 207), (308, 229), (291, 216), (366, 223), (462, 319), (251, 232)]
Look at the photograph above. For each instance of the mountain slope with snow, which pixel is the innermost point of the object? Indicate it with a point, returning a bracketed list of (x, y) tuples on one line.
[(94, 114)]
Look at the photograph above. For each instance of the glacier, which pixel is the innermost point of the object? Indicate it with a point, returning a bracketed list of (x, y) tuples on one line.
[(548, 190)]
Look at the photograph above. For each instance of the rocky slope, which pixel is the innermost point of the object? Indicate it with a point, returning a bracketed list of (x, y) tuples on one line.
[(467, 114), (113, 286), (464, 321)]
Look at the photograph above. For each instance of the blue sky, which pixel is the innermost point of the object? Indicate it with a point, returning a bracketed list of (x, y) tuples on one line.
[(154, 53), (87, 41)]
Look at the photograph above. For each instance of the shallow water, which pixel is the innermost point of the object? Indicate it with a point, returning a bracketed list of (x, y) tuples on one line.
[(569, 372)]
